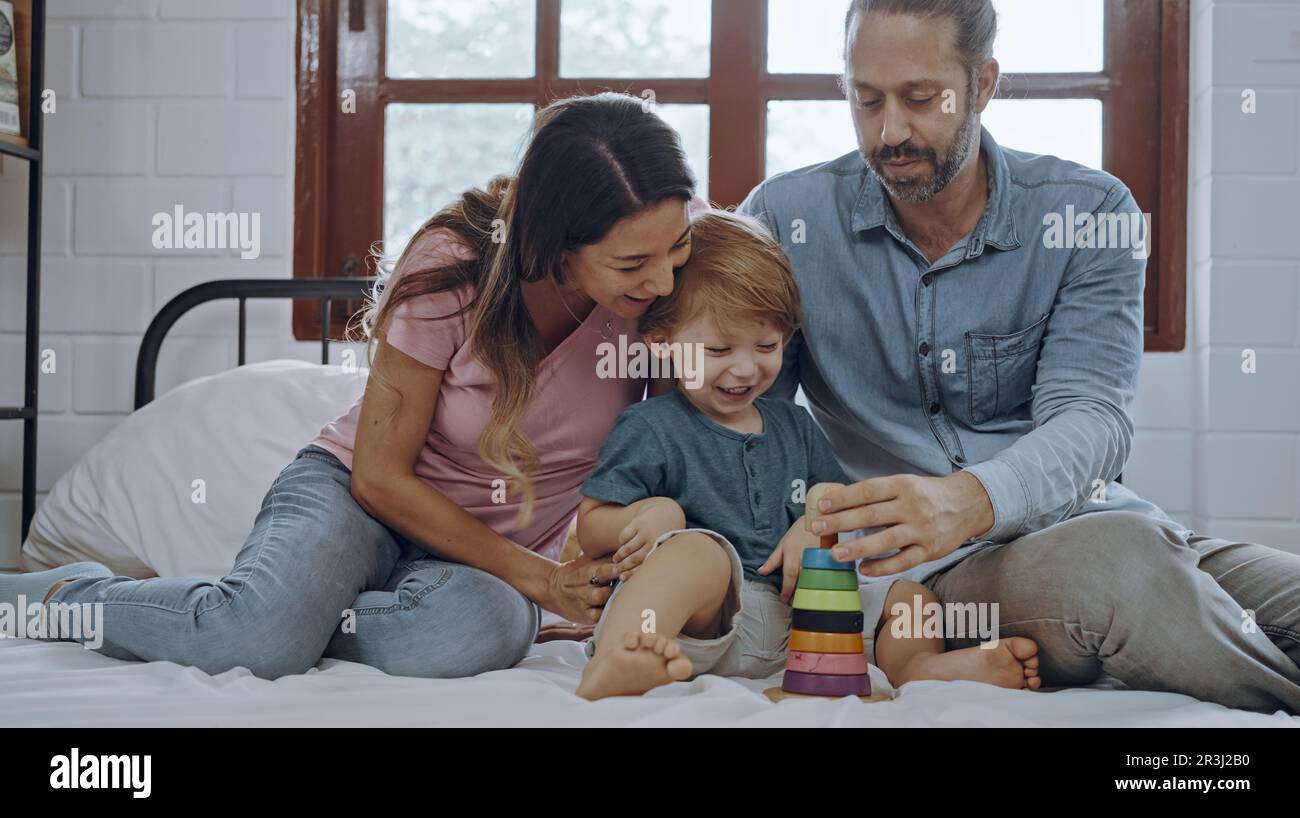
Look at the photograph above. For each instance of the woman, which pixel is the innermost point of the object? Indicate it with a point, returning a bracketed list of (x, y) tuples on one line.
[(418, 533)]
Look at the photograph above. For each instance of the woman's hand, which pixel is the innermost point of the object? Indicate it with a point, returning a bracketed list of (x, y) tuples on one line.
[(789, 555), (574, 595), (564, 631), (654, 517)]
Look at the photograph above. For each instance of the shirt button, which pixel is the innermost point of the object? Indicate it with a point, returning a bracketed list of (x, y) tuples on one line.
[(758, 497), (934, 408), (925, 348), (750, 445), (927, 279), (959, 460)]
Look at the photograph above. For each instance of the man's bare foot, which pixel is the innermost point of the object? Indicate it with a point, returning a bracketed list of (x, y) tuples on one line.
[(1012, 663), (643, 661)]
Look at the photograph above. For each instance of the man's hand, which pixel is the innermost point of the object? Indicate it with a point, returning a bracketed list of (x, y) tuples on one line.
[(789, 554), (654, 517), (923, 518)]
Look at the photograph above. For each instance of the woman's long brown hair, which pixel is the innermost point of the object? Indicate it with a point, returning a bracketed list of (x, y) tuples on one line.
[(591, 162)]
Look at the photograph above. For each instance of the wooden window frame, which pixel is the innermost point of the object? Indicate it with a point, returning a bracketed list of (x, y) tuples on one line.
[(338, 208)]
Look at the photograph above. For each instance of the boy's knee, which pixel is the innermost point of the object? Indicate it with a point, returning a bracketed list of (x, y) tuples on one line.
[(703, 549)]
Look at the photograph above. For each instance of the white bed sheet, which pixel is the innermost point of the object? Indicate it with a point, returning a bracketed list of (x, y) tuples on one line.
[(45, 684)]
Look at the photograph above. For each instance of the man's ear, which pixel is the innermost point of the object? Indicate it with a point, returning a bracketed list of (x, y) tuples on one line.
[(987, 84)]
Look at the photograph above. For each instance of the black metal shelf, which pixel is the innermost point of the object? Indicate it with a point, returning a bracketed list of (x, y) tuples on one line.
[(11, 149), (27, 413)]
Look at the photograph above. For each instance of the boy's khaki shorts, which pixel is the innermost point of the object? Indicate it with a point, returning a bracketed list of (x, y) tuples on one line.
[(755, 626)]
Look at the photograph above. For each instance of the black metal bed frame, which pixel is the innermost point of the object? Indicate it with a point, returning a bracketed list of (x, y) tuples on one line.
[(326, 289)]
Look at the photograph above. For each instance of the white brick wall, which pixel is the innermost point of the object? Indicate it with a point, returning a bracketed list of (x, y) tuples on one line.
[(158, 103), (189, 101), (1217, 448), (1249, 477)]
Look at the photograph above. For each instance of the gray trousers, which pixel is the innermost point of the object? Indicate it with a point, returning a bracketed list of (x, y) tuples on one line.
[(1120, 593)]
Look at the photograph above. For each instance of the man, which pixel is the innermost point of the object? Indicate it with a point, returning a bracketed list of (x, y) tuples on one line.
[(977, 375)]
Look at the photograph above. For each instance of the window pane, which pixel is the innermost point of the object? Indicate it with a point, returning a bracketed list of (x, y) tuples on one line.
[(1061, 35), (432, 153), (805, 36), (635, 38), (1068, 128), (692, 123), (806, 133), (436, 39)]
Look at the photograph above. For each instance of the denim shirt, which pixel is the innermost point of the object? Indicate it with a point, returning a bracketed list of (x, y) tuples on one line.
[(1007, 358)]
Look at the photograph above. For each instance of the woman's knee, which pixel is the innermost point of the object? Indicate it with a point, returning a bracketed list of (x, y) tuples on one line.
[(499, 623), (461, 622)]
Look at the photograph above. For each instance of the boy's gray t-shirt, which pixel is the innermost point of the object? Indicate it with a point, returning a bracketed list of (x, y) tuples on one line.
[(742, 486)]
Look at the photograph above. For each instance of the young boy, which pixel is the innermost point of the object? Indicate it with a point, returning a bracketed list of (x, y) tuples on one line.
[(693, 488)]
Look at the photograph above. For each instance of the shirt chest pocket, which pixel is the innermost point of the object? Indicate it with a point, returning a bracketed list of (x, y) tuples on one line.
[(1000, 370)]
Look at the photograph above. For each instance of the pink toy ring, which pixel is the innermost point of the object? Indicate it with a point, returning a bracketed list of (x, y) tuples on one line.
[(826, 664)]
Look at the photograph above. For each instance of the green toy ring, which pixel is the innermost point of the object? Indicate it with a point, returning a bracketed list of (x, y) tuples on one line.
[(812, 599), (820, 579)]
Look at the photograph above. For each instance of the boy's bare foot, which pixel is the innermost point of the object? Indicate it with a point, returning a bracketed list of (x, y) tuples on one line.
[(643, 661), (1012, 663)]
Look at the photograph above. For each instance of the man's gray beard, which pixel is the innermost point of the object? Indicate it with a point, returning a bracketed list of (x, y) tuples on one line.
[(920, 193)]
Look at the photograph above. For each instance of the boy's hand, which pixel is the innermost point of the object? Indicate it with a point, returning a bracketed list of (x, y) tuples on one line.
[(654, 517), (789, 555)]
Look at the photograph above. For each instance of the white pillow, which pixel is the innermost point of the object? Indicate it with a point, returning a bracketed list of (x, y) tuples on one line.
[(128, 503)]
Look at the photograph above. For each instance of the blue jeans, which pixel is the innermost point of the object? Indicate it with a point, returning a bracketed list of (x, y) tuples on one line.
[(318, 576)]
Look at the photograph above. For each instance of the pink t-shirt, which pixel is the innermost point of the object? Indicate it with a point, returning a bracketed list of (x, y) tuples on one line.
[(570, 413)]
